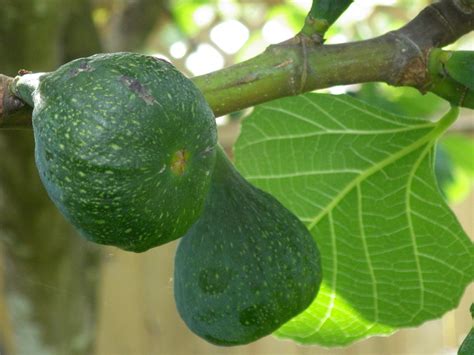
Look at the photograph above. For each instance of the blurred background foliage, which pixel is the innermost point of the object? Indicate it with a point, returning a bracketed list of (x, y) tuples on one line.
[(198, 36)]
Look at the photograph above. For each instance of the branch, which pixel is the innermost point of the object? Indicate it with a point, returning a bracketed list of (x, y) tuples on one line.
[(300, 64), (398, 58)]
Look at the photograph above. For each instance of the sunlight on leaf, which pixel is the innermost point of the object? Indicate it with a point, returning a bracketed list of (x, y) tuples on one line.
[(362, 180), (459, 154), (461, 149), (339, 312)]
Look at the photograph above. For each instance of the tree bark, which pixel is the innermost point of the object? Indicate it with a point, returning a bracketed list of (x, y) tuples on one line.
[(50, 273)]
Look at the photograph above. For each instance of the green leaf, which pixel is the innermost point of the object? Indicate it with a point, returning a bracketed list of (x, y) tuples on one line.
[(405, 101), (444, 170), (454, 183), (461, 151), (454, 166), (362, 180)]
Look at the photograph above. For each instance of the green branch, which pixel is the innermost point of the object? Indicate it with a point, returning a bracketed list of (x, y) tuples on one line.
[(399, 58)]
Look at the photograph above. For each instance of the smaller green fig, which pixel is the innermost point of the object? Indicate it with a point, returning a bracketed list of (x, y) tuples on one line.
[(247, 266)]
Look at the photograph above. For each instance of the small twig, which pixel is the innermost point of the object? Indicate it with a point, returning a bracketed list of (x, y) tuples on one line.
[(13, 112)]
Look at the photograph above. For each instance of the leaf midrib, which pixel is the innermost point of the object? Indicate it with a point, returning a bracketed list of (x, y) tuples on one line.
[(438, 128)]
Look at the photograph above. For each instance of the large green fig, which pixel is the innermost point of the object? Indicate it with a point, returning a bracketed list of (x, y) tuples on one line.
[(124, 146), (247, 266)]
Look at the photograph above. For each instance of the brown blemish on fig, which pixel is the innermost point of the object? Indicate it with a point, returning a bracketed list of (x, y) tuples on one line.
[(179, 161), (137, 87)]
